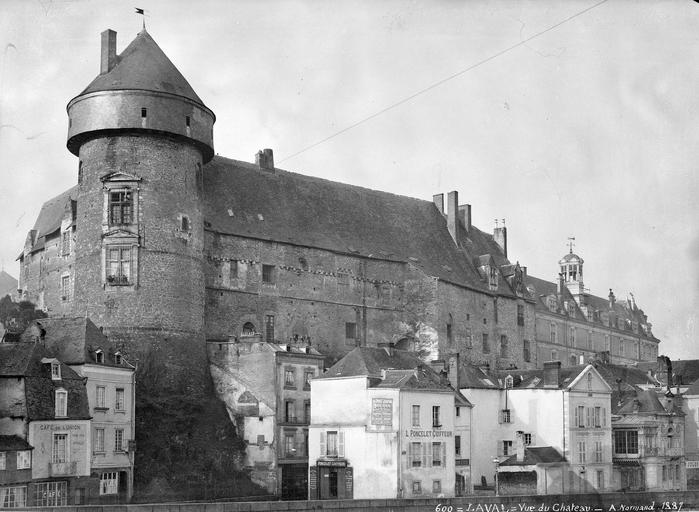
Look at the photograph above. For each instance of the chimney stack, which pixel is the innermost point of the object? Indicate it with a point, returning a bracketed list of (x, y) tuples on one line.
[(265, 159), (108, 57), (520, 446), (465, 216), (500, 237), (452, 209), (438, 200), (612, 299), (552, 374), (453, 370)]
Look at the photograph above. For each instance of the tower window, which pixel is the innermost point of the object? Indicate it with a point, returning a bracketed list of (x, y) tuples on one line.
[(144, 113), (120, 207), (187, 121), (184, 223), (118, 265), (268, 274)]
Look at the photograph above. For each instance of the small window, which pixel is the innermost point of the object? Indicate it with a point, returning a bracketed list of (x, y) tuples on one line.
[(268, 274), (65, 243), (486, 344), (416, 416), (24, 459), (350, 330), (144, 112), (436, 486), (120, 207), (269, 328), (417, 487), (260, 439), (187, 121), (507, 447), (101, 396), (248, 329), (332, 444), (416, 455), (436, 454), (289, 446), (61, 397), (458, 412), (99, 440), (289, 378), (184, 223), (59, 452), (307, 377), (505, 416), (119, 400), (527, 439), (117, 358), (119, 440), (289, 411), (118, 266), (520, 314), (457, 445), (55, 371), (65, 287), (435, 416), (99, 356), (109, 483)]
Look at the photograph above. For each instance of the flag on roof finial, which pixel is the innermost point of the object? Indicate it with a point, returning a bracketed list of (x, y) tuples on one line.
[(142, 12)]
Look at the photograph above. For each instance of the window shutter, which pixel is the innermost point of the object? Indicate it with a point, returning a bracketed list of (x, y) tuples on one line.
[(425, 447), (499, 448), (444, 455), (604, 416), (575, 424), (588, 413), (341, 444), (323, 449)]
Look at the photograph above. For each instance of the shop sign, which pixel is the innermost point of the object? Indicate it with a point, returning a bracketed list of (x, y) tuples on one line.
[(332, 463), (428, 433), (382, 411), (59, 426)]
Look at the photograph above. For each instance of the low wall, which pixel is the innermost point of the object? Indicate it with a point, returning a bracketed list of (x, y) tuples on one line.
[(606, 502)]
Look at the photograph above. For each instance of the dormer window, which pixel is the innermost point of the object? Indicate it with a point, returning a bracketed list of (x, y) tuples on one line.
[(99, 356), (117, 358), (55, 371), (61, 403)]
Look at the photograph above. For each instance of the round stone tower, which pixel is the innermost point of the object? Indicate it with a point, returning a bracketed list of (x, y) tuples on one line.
[(142, 136)]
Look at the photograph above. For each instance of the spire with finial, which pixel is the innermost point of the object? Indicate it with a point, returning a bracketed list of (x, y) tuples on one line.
[(571, 243)]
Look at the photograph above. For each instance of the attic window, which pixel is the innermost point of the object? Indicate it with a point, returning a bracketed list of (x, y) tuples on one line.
[(99, 356), (117, 358), (55, 371)]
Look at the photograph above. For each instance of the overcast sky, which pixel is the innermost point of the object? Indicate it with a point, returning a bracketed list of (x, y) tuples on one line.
[(587, 130)]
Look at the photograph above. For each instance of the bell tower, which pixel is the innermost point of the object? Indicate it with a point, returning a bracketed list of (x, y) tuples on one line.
[(142, 136), (571, 271)]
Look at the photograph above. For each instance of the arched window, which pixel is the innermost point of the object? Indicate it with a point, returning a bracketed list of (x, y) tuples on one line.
[(248, 329)]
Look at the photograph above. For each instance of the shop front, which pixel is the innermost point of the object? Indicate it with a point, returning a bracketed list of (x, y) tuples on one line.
[(331, 480)]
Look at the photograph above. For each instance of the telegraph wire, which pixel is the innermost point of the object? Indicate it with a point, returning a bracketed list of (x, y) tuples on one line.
[(444, 80)]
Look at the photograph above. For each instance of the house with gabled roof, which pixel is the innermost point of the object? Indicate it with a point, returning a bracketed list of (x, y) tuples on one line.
[(386, 425), (110, 385), (44, 430)]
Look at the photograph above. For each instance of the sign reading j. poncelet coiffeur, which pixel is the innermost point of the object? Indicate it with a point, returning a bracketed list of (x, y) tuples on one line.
[(428, 433)]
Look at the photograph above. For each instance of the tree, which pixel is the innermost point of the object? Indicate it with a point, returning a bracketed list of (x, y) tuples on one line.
[(16, 316)]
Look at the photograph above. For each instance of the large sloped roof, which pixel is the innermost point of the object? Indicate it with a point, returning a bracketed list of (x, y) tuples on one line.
[(143, 66), (73, 340), (25, 360), (244, 200), (535, 455), (51, 214)]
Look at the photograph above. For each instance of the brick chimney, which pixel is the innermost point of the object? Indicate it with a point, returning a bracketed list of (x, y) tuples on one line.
[(500, 237), (465, 216), (108, 57), (438, 200), (552, 374), (452, 209), (265, 159), (612, 299), (453, 370)]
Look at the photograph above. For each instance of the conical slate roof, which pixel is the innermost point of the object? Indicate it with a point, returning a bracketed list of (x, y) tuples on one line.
[(143, 66)]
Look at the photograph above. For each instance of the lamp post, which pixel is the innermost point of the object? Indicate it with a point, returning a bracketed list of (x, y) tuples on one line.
[(496, 461)]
